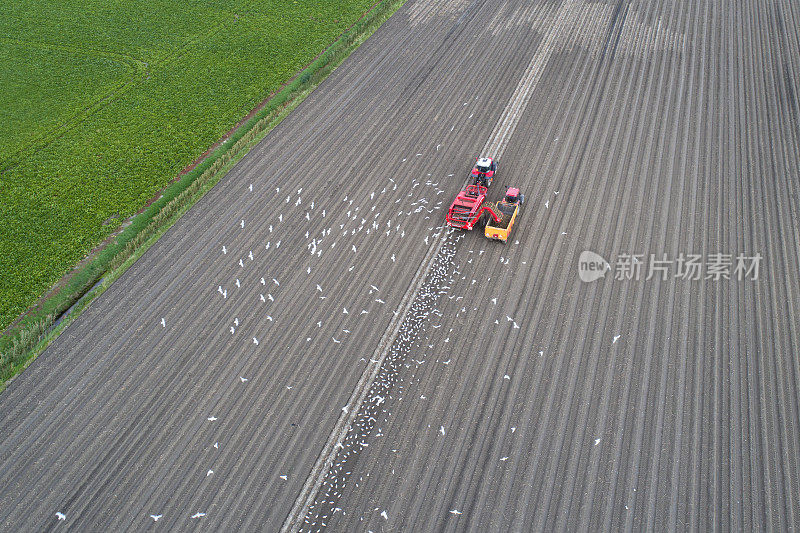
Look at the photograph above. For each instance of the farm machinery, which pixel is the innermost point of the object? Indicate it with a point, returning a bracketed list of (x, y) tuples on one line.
[(470, 206), (505, 214), (467, 209), (484, 171)]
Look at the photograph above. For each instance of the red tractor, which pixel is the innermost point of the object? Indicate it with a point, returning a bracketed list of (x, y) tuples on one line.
[(484, 171)]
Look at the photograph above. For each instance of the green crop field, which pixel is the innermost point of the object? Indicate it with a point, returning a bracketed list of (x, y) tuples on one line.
[(102, 103)]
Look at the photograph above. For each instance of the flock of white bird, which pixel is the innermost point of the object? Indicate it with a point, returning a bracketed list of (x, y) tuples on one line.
[(439, 281), (442, 278), (353, 220)]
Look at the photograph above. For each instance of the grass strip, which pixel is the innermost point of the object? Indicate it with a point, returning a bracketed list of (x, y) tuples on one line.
[(40, 325)]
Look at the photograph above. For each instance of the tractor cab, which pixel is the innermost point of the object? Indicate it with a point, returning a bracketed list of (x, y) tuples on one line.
[(484, 170), (512, 196)]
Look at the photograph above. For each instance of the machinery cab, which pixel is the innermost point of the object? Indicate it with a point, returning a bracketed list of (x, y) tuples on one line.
[(512, 196), (484, 170), (508, 205)]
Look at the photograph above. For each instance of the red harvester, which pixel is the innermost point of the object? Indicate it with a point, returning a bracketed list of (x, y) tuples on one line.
[(467, 209)]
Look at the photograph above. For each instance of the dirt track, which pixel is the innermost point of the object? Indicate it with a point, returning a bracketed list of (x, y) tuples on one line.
[(665, 128)]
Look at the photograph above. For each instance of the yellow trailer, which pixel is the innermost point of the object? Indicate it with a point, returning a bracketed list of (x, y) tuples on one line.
[(505, 214)]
